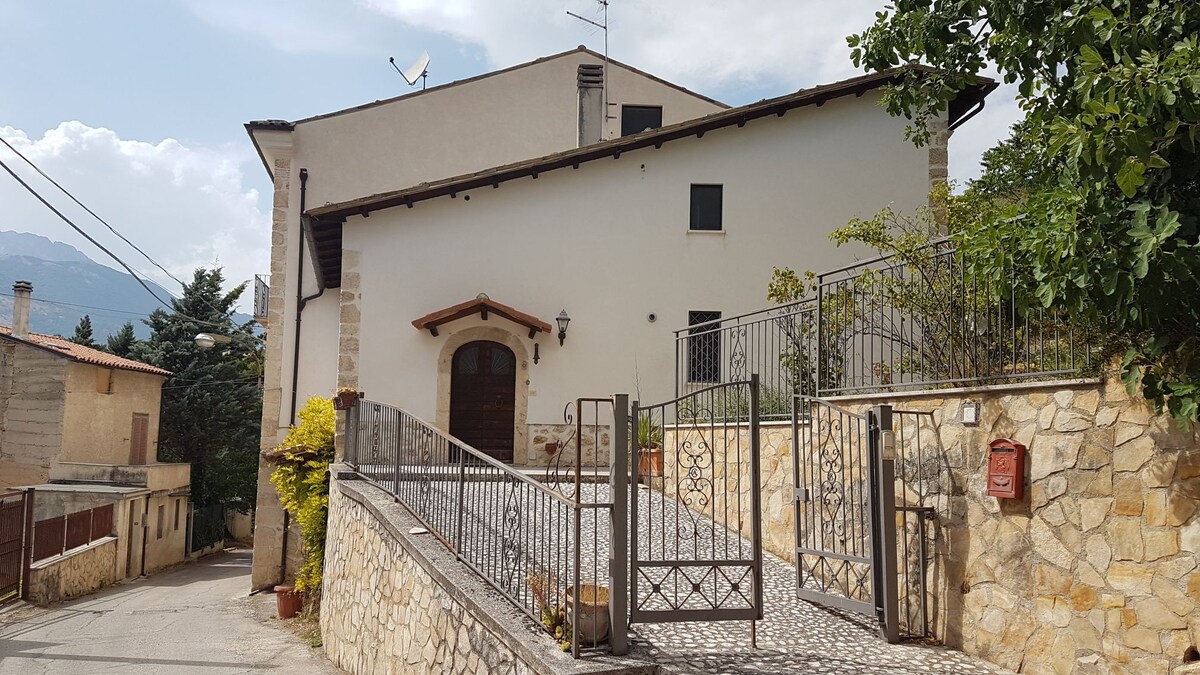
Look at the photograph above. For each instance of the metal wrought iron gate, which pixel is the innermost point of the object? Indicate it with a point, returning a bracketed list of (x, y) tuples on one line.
[(696, 544), (15, 514), (845, 504)]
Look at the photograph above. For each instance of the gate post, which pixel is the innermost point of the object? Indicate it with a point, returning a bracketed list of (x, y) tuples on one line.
[(27, 552), (883, 455), (618, 540)]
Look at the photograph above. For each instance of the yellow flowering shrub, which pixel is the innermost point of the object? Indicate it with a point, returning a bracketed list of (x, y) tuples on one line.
[(302, 481)]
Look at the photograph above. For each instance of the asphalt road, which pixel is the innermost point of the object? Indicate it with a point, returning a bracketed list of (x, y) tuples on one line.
[(194, 619)]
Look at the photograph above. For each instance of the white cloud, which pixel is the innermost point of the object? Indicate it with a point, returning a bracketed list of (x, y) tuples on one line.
[(298, 26), (698, 44), (185, 206)]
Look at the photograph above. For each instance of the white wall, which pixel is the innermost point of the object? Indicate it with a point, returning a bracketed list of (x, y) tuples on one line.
[(609, 242), (524, 113)]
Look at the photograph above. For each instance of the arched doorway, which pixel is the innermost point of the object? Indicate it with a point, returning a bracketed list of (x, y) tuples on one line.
[(483, 385)]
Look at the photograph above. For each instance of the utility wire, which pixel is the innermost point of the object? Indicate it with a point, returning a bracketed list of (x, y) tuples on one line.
[(100, 246), (83, 206), (207, 384), (72, 304)]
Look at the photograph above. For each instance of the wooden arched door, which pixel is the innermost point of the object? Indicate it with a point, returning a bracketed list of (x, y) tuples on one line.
[(483, 389)]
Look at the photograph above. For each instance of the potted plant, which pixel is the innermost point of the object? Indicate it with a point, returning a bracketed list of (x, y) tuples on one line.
[(650, 450), (593, 620), (345, 398), (288, 601)]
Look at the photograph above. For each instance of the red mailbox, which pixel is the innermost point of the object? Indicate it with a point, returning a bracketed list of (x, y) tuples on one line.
[(1006, 469)]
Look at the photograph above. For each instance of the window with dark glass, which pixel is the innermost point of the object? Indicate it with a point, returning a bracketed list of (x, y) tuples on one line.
[(704, 347), (637, 118), (706, 208)]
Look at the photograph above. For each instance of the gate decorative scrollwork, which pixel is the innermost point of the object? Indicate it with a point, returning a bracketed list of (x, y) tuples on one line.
[(845, 509), (696, 545)]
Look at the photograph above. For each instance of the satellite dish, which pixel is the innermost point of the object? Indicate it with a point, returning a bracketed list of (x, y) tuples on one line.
[(418, 70)]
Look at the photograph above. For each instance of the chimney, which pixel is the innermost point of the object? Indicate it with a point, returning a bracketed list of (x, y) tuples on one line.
[(22, 293), (591, 103)]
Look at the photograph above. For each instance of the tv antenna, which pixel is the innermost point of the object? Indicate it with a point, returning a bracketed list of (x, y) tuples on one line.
[(418, 70), (604, 27)]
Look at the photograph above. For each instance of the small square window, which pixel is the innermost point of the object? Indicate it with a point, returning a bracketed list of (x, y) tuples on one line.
[(638, 118), (706, 208)]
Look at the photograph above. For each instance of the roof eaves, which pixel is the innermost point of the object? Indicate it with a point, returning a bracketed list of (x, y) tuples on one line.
[(272, 125)]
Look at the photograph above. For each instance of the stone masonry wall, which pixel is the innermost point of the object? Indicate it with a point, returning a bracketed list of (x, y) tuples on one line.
[(79, 572), (397, 602), (1095, 570)]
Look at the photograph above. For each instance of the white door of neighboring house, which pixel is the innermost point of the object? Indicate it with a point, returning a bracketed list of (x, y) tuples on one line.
[(483, 386)]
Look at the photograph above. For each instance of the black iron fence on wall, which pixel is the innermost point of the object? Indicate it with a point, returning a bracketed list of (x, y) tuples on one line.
[(541, 546), (890, 323)]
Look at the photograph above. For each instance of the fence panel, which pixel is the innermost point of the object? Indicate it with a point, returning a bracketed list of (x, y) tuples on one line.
[(102, 521), (79, 529), (778, 344), (49, 537), (924, 320)]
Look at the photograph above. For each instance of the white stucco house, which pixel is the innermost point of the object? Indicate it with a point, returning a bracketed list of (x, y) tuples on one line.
[(423, 246)]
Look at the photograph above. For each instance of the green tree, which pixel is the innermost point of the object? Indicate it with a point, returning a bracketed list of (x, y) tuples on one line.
[(121, 343), (83, 333), (1096, 196), (212, 405)]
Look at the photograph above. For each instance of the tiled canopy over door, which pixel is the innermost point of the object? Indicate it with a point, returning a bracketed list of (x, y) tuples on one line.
[(482, 397)]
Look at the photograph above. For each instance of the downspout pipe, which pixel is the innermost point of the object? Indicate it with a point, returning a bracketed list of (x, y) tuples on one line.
[(301, 301)]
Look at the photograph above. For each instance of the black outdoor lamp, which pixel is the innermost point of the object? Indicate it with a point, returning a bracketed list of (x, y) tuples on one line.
[(562, 320)]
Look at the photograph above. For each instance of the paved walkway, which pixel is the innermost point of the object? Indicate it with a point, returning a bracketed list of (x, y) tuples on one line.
[(190, 620)]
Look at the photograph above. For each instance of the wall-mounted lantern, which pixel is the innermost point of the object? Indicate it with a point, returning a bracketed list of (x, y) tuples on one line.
[(562, 320)]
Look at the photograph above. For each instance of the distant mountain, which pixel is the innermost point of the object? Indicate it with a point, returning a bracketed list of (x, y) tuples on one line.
[(76, 284)]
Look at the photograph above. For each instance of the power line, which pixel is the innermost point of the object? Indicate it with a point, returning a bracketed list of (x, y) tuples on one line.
[(208, 384), (72, 304), (91, 212), (100, 246)]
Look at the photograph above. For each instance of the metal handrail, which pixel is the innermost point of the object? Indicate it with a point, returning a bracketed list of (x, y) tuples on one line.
[(520, 536)]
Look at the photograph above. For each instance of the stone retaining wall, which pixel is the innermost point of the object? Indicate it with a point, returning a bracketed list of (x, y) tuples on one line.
[(77, 572), (397, 602), (1095, 570)]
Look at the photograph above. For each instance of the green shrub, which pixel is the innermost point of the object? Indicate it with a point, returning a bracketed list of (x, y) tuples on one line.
[(302, 481)]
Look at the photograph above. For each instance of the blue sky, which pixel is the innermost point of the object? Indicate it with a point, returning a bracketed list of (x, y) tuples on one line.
[(138, 105)]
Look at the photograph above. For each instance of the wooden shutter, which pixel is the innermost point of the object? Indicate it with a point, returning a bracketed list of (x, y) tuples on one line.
[(139, 438)]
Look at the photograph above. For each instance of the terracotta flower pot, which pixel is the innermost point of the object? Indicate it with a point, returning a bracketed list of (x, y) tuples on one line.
[(345, 400), (650, 462), (288, 601), (593, 613)]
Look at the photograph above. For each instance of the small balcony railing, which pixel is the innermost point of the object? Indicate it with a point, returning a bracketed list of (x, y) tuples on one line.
[(262, 297)]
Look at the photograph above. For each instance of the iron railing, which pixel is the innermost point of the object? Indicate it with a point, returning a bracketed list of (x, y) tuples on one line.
[(924, 320), (540, 546), (890, 323), (778, 344), (262, 296)]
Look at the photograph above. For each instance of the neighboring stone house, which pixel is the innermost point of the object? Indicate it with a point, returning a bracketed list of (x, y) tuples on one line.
[(455, 224), (81, 426)]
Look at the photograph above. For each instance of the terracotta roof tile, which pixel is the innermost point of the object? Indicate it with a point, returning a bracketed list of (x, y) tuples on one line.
[(83, 354)]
